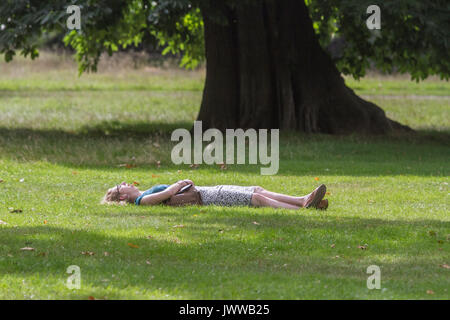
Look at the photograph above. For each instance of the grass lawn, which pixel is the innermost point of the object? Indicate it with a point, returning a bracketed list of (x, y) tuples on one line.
[(64, 140)]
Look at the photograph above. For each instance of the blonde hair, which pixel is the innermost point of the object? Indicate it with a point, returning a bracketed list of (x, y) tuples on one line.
[(113, 197)]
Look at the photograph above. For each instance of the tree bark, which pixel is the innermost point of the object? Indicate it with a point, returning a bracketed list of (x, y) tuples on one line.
[(266, 69)]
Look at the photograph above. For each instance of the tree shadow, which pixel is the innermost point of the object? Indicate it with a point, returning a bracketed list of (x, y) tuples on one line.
[(104, 129), (106, 144), (266, 261)]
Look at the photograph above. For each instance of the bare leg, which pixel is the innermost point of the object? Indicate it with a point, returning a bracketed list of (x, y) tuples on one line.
[(258, 200), (296, 201)]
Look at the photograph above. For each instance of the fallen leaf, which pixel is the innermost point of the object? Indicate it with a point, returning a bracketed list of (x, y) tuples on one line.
[(45, 221), (136, 183), (430, 292), (328, 193), (27, 249), (74, 173), (42, 254), (155, 176), (446, 266), (432, 233), (127, 165), (2, 222), (91, 298), (179, 226), (133, 245), (1, 180), (149, 237), (12, 210), (87, 253), (333, 245), (147, 262), (179, 171), (316, 178)]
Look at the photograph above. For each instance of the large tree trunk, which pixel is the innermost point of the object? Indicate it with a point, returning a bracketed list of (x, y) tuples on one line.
[(266, 69)]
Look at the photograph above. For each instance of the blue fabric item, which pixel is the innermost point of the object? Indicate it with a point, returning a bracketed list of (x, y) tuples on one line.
[(154, 189)]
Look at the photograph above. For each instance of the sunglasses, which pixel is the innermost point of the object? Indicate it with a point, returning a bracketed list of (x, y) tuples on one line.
[(118, 190)]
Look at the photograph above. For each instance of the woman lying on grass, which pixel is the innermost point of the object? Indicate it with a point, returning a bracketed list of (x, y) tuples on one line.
[(223, 195)]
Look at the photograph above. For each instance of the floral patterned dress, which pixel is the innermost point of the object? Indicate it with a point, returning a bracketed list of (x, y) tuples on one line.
[(226, 195)]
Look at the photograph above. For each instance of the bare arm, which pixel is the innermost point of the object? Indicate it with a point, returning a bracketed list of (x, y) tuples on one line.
[(157, 198)]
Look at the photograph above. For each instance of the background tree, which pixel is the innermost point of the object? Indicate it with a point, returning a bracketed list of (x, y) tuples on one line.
[(266, 62)]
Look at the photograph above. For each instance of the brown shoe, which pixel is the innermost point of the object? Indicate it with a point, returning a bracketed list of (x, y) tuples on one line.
[(323, 204), (313, 199)]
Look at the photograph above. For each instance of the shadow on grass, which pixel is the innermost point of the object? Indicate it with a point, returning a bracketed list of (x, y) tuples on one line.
[(282, 257), (107, 144)]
